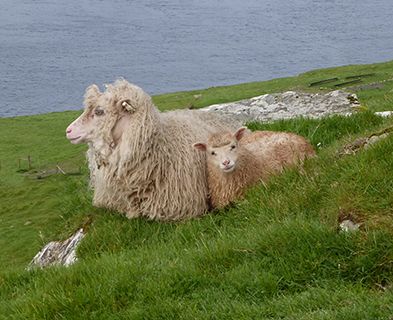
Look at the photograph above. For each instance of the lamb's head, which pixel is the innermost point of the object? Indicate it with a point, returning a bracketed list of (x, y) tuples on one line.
[(222, 149), (106, 113)]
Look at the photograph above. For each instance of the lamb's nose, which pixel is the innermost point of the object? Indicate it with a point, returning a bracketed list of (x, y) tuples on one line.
[(225, 162), (68, 131)]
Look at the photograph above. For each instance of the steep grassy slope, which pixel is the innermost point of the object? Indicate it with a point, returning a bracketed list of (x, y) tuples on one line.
[(276, 254)]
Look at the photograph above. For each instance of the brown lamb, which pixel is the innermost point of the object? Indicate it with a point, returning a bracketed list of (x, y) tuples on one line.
[(236, 161)]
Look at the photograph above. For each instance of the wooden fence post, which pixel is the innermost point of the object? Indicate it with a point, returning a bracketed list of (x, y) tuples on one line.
[(29, 161)]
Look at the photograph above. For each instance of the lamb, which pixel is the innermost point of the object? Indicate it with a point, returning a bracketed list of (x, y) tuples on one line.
[(237, 161), (141, 161)]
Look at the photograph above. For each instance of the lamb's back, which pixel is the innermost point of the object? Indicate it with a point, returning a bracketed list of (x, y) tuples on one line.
[(278, 149)]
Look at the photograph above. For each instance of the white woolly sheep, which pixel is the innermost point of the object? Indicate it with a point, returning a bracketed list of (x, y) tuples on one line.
[(141, 161), (237, 161)]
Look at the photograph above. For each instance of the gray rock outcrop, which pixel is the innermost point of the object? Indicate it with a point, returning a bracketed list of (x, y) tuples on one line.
[(58, 252), (290, 104)]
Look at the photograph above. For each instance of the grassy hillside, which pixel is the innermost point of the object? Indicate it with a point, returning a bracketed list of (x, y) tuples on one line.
[(276, 254)]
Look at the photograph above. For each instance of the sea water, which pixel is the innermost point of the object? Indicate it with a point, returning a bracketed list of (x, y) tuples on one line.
[(50, 51)]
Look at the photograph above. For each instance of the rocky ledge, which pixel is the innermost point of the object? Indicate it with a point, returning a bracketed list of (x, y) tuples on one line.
[(290, 104)]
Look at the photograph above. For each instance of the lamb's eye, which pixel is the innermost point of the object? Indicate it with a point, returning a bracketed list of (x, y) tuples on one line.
[(98, 112), (233, 147), (213, 153)]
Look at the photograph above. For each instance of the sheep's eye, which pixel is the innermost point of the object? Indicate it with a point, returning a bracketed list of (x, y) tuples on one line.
[(213, 153), (98, 112), (233, 147)]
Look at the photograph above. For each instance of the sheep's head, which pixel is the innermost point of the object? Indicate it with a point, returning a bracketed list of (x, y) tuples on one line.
[(222, 149), (106, 113)]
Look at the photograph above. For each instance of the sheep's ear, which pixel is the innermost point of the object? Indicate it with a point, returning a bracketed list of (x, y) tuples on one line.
[(240, 133), (91, 95), (127, 106), (92, 91), (200, 146)]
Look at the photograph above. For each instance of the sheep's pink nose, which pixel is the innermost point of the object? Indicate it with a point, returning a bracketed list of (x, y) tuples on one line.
[(226, 162), (68, 130)]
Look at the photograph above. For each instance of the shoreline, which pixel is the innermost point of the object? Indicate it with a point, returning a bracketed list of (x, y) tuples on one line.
[(202, 97)]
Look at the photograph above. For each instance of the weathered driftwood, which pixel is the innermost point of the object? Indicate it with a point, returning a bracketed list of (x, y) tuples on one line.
[(58, 252)]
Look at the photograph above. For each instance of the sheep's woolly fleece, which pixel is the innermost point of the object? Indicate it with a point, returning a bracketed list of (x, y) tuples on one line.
[(259, 155), (152, 170)]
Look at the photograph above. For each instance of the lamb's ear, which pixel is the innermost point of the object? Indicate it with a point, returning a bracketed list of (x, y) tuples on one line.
[(240, 133), (127, 106), (200, 146)]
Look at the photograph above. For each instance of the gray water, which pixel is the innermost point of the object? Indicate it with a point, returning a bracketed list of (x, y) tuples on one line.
[(51, 50)]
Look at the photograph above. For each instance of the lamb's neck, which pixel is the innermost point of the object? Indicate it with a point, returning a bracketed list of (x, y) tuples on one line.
[(226, 187), (243, 172), (246, 163)]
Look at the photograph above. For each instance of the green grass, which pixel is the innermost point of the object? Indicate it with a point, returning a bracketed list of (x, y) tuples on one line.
[(276, 254)]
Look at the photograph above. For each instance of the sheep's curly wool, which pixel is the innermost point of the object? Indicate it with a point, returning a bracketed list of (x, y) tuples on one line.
[(153, 170)]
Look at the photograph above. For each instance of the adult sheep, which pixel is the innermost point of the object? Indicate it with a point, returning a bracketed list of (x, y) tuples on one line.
[(141, 160)]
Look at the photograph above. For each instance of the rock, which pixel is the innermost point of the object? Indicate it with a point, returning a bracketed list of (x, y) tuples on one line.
[(289, 104), (58, 252), (374, 139), (349, 226), (364, 142), (384, 114)]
